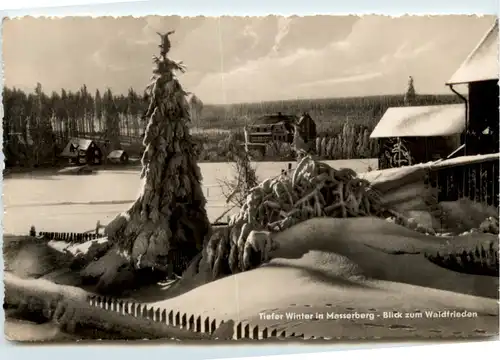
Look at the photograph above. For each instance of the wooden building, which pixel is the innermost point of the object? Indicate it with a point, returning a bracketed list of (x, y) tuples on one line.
[(467, 132), (417, 134), (267, 129), (82, 152), (278, 128), (476, 83), (118, 157)]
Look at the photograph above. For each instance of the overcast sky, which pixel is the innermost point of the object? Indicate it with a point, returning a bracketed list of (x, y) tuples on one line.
[(233, 59)]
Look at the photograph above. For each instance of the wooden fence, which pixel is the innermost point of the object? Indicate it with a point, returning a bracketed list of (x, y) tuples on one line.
[(476, 180)]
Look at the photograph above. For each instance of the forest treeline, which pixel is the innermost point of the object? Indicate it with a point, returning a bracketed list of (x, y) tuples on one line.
[(328, 114), (37, 125)]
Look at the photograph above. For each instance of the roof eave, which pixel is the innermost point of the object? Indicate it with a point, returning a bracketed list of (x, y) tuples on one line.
[(377, 133), (465, 82), (411, 136), (471, 54)]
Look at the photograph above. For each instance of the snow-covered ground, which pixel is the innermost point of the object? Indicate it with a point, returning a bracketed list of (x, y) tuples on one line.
[(318, 283), (72, 203)]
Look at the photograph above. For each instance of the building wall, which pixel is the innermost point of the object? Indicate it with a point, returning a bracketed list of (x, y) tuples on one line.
[(483, 113), (415, 150), (307, 129), (310, 129), (395, 152)]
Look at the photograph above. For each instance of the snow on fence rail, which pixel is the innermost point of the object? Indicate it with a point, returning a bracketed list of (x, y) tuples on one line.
[(474, 177)]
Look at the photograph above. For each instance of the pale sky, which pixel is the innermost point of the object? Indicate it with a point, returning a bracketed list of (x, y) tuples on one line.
[(236, 59)]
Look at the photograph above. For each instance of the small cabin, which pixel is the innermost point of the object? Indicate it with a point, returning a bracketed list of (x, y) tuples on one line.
[(417, 134), (118, 157), (82, 152)]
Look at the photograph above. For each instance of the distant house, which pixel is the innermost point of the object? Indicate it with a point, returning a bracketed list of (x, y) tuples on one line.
[(278, 128), (118, 157), (82, 151), (275, 123), (416, 134), (267, 129)]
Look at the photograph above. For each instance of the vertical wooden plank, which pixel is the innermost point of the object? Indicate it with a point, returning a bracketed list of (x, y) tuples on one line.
[(144, 312), (191, 323), (171, 318), (206, 328), (198, 324), (119, 307), (255, 332), (126, 308), (239, 331), (150, 313), (483, 191), (495, 184), (469, 179), (177, 319)]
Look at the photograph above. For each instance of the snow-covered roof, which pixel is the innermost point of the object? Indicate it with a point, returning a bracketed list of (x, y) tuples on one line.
[(482, 62), (76, 144), (116, 154), (436, 120), (386, 175)]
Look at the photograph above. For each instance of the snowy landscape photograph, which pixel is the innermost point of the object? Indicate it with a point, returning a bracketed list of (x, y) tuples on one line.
[(318, 178)]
